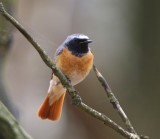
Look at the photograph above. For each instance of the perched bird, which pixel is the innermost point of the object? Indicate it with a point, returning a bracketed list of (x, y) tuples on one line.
[(75, 60)]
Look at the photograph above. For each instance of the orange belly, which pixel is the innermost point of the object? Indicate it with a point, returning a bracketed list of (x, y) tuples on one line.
[(75, 68)]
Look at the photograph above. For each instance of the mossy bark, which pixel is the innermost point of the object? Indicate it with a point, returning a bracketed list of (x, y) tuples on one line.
[(9, 127)]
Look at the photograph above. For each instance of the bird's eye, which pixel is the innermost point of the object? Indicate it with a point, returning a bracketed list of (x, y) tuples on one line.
[(78, 41)]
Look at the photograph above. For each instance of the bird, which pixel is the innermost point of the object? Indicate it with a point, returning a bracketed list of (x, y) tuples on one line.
[(75, 59)]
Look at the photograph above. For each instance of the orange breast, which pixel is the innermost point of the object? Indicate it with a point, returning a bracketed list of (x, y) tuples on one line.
[(75, 68)]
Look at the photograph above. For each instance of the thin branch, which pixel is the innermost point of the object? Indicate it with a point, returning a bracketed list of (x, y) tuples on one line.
[(76, 99), (108, 121), (114, 101), (41, 52)]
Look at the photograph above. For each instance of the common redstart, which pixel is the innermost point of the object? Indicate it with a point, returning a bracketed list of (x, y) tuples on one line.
[(75, 60)]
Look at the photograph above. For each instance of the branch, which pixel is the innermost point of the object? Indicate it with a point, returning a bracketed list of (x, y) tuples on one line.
[(76, 99), (9, 126), (114, 101), (6, 33)]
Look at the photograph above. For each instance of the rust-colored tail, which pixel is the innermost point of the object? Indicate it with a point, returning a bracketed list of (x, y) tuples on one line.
[(52, 112)]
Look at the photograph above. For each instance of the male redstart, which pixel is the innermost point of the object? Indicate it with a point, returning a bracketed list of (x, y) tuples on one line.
[(75, 60)]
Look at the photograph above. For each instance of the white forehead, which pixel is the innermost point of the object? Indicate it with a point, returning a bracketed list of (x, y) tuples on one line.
[(80, 36)]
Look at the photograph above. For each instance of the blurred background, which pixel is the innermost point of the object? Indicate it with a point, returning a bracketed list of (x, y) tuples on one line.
[(125, 44)]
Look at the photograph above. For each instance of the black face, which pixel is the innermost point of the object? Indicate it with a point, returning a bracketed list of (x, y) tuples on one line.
[(78, 46)]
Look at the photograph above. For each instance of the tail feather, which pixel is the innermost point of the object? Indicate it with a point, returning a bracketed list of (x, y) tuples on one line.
[(52, 112)]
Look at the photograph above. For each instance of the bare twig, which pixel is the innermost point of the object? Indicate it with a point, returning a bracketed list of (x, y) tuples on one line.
[(108, 122), (41, 52), (114, 101), (76, 99)]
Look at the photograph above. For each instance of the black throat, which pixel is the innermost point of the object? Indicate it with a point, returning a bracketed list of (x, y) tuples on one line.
[(78, 50)]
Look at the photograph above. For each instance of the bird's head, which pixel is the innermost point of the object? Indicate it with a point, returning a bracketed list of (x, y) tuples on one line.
[(78, 44)]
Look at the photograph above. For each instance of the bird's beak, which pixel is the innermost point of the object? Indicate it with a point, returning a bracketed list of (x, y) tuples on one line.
[(87, 41)]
